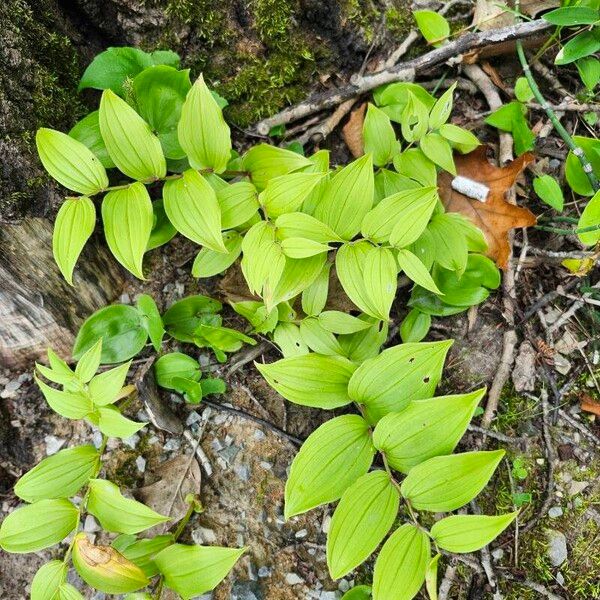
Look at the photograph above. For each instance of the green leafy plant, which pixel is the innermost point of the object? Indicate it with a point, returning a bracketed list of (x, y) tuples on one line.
[(63, 488), (412, 435), (285, 218)]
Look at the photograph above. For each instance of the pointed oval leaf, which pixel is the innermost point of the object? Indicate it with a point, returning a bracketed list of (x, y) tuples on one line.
[(194, 570), (297, 247), (71, 405), (209, 263), (350, 266), (380, 280), (347, 198), (48, 579), (439, 151), (330, 460), (415, 326), (71, 163), (442, 108), (265, 162), (61, 475), (105, 569), (445, 483), (590, 217), (73, 227), (38, 526), (388, 382), (88, 364), (361, 520), (468, 533), (202, 131), (117, 513), (191, 205), (113, 424), (87, 131), (342, 323), (127, 216), (142, 552), (134, 149), (416, 271), (311, 380), (379, 136), (238, 203), (285, 194), (424, 429), (318, 339), (314, 297), (401, 565)]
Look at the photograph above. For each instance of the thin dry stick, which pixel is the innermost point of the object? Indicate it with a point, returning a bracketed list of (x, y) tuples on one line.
[(405, 71), (447, 582), (532, 585)]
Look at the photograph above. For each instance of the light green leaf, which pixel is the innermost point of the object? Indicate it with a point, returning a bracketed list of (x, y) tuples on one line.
[(87, 131), (48, 579), (209, 263), (176, 364), (151, 319), (589, 71), (361, 520), (434, 27), (350, 261), (568, 16), (576, 178), (522, 90), (287, 337), (61, 475), (37, 526), (68, 592), (105, 569), (445, 483), (367, 343), (132, 146), (416, 270), (397, 94), (431, 577), (127, 216), (340, 322), (414, 164), (415, 326), (388, 382), (547, 188), (88, 364), (400, 568), (113, 424), (117, 513), (414, 120), (311, 380), (238, 203), (379, 136), (426, 428), (191, 205), (380, 280), (194, 570), (582, 45), (441, 110), (71, 163), (359, 592), (314, 297), (590, 217), (264, 162), (263, 260), (162, 229), (318, 339), (461, 139), (297, 224), (71, 405), (73, 227), (468, 533), (302, 247), (297, 275), (439, 151), (104, 388), (449, 242), (160, 92), (286, 193), (511, 117), (328, 463), (141, 552), (202, 131), (405, 213), (347, 198)]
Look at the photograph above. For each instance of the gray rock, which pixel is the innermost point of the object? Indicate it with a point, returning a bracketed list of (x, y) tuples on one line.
[(555, 512), (577, 487), (557, 547), (246, 590), (293, 579), (53, 444)]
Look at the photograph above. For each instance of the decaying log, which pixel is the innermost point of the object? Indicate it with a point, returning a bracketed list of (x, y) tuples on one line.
[(38, 308)]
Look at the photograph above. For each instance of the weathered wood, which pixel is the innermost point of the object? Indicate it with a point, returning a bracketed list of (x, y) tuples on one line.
[(38, 308)]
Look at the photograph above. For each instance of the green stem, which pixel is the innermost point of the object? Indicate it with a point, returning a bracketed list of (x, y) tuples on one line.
[(558, 126), (568, 231)]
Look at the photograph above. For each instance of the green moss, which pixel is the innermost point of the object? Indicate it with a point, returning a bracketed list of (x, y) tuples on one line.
[(399, 21), (513, 410), (364, 15), (122, 468)]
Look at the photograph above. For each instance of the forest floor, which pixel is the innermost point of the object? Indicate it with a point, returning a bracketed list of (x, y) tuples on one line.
[(545, 420)]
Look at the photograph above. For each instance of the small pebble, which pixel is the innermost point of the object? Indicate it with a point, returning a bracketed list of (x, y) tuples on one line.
[(555, 512), (577, 487), (293, 579), (90, 525), (53, 444), (171, 444), (264, 572), (301, 534), (498, 553), (560, 579), (140, 463), (193, 417), (267, 466)]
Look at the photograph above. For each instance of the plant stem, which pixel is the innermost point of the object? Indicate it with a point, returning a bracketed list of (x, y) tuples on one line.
[(568, 231), (558, 126)]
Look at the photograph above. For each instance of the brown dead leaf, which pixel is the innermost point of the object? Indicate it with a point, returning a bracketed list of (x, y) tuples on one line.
[(352, 131), (589, 405), (174, 480), (495, 217)]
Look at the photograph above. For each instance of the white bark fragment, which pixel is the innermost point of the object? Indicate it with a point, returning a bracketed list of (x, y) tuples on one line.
[(470, 188)]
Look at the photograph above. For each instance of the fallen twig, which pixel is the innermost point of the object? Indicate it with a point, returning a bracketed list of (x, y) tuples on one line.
[(404, 71), (447, 582), (532, 585)]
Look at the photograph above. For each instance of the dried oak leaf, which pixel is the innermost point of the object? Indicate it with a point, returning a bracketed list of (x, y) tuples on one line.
[(589, 405), (352, 131), (495, 217)]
